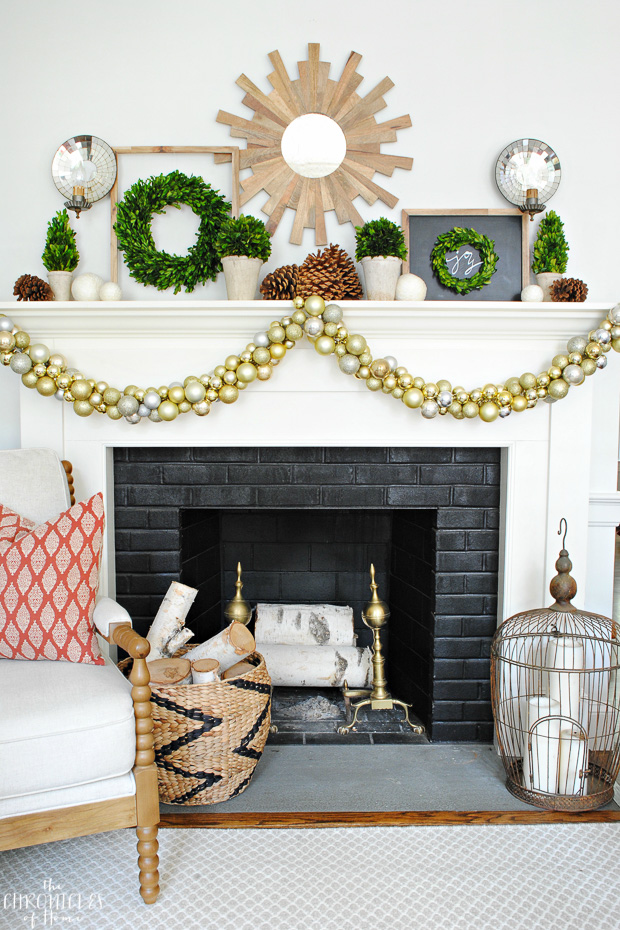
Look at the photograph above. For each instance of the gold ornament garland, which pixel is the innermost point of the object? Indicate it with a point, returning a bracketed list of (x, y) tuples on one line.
[(49, 374)]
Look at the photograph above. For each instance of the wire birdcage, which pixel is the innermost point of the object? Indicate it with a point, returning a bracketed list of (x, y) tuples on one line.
[(555, 690)]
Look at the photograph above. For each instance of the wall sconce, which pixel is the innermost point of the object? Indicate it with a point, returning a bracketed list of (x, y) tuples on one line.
[(84, 170), (528, 174)]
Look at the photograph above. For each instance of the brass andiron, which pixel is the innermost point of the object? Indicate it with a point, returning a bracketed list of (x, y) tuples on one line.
[(375, 615), (238, 609)]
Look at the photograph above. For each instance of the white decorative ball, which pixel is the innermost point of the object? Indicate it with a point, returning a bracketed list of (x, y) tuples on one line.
[(110, 291), (532, 293), (410, 287), (86, 286)]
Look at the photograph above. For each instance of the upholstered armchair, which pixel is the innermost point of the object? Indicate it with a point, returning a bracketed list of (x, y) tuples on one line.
[(76, 744)]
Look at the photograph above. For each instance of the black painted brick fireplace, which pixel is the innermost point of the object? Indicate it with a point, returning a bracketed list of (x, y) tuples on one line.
[(427, 517)]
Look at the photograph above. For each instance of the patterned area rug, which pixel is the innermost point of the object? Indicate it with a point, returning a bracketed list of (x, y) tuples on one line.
[(563, 877)]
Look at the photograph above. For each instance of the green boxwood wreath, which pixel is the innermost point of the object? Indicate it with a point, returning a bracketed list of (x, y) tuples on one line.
[(451, 242), (133, 229)]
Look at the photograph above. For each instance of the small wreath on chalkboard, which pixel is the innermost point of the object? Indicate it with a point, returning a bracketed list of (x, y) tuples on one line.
[(133, 228), (452, 242)]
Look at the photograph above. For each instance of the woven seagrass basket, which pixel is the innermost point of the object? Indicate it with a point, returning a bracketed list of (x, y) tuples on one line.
[(209, 737)]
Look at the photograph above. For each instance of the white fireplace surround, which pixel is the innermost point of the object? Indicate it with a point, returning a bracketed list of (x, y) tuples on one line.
[(558, 460)]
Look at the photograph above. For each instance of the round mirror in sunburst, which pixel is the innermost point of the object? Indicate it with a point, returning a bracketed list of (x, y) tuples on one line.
[(318, 164)]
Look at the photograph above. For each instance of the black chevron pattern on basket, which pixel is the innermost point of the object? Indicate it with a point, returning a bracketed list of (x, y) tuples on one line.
[(193, 713), (244, 749), (208, 779)]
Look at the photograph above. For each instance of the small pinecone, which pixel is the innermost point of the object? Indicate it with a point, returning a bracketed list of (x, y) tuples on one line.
[(573, 289), (29, 287), (281, 284), (331, 274)]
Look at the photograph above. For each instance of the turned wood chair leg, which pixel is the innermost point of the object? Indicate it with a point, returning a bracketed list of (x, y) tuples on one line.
[(148, 863)]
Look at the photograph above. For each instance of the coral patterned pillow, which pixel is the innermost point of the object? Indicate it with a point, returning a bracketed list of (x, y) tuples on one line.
[(49, 576)]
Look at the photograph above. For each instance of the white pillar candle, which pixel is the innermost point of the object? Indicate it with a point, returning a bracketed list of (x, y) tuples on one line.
[(572, 761), (541, 740), (565, 655)]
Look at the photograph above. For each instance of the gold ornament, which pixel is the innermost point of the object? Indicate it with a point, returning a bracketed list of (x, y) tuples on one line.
[(324, 345), (82, 408), (558, 388), (228, 394), (246, 372), (589, 366), (489, 412), (413, 398), (277, 351), (168, 410), (314, 305), (470, 410), (527, 380), (519, 402), (380, 368), (46, 386), (81, 389), (263, 372), (114, 413)]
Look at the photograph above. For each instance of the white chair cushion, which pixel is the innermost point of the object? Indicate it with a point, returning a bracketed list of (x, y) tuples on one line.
[(62, 724)]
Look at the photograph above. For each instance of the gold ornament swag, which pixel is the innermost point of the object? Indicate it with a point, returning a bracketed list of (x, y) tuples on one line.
[(322, 324)]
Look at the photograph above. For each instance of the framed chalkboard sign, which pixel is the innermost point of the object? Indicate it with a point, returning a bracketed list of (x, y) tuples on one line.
[(503, 233)]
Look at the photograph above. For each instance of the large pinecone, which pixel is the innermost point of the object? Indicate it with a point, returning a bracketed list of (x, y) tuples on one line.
[(331, 274), (29, 287), (568, 289), (281, 284)]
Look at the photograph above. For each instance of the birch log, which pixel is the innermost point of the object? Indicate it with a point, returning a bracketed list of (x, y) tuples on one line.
[(240, 668), (167, 633), (205, 670), (170, 672), (305, 624), (317, 666), (228, 646)]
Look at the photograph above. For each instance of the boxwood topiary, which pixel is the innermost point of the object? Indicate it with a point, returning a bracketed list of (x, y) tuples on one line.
[(244, 236), (379, 237), (60, 252), (551, 247)]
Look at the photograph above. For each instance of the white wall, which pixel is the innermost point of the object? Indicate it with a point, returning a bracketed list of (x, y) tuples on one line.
[(474, 76)]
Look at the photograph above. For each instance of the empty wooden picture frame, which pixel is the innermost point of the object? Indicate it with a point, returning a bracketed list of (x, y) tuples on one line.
[(221, 153), (507, 228)]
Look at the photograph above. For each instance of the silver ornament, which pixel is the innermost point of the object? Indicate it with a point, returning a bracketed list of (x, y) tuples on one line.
[(313, 326), (152, 400), (21, 364), (429, 409), (548, 399), (128, 405), (143, 410), (332, 314), (601, 361), (6, 324), (614, 315), (574, 374), (349, 364), (261, 339), (602, 336), (60, 394), (155, 417), (577, 344), (134, 418), (505, 411), (391, 362), (444, 398)]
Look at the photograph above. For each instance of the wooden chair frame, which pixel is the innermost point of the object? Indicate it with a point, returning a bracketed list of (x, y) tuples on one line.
[(140, 810)]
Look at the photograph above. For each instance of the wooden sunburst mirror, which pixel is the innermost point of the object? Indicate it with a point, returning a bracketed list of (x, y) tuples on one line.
[(351, 124)]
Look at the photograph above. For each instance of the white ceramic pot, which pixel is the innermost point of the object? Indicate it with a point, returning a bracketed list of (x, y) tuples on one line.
[(241, 274), (545, 279), (381, 275), (60, 283)]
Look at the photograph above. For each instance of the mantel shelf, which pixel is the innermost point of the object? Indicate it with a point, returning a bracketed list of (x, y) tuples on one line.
[(217, 318)]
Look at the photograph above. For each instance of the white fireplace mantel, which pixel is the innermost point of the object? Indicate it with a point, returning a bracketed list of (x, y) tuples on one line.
[(557, 460)]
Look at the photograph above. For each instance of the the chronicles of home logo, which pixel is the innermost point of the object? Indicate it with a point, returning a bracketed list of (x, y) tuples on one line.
[(50, 907)]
